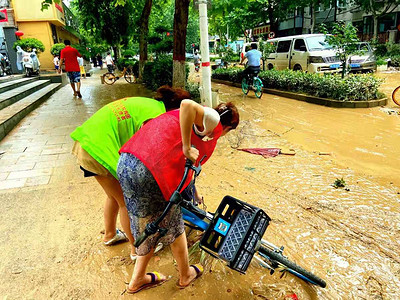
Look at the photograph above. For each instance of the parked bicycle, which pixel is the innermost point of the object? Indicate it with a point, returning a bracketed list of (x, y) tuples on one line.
[(396, 96), (252, 82), (233, 233), (127, 73)]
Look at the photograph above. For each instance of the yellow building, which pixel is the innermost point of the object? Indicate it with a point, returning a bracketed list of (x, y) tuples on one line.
[(50, 26)]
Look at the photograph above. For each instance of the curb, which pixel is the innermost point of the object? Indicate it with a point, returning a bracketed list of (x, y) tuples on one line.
[(313, 99)]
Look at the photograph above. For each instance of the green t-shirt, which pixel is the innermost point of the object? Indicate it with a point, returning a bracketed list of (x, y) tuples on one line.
[(103, 134)]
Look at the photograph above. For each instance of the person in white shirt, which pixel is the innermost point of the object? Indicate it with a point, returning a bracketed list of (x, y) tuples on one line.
[(109, 62), (56, 62), (81, 67)]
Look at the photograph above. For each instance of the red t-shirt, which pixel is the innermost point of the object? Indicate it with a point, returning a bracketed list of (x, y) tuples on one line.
[(70, 56)]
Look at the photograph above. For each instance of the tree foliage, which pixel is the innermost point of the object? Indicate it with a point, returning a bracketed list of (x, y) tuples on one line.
[(29, 44), (344, 40), (56, 48)]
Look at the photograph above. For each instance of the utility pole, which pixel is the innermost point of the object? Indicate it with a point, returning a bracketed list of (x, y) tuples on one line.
[(205, 55)]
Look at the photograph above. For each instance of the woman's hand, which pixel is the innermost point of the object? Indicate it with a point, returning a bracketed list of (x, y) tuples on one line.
[(191, 153)]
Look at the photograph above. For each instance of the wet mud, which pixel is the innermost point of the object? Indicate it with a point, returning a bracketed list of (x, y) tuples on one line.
[(51, 241)]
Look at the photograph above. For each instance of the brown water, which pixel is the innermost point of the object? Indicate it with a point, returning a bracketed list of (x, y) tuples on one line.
[(349, 238)]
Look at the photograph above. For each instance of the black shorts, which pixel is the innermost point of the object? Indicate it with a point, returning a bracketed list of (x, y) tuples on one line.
[(87, 173)]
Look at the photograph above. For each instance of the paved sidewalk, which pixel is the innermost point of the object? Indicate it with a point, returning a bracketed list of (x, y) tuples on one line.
[(37, 151)]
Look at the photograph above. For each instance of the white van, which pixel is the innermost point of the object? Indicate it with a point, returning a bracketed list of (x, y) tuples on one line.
[(307, 52)]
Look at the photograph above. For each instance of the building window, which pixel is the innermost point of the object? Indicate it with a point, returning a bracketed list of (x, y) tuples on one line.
[(386, 23), (368, 25)]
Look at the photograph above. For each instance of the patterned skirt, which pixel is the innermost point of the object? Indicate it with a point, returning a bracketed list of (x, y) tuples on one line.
[(145, 202)]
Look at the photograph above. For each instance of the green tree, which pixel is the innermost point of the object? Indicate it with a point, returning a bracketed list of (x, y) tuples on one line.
[(56, 48), (378, 9), (266, 49), (344, 40), (29, 44)]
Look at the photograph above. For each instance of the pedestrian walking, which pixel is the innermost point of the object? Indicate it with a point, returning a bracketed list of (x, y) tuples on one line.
[(81, 67), (69, 56), (56, 62), (94, 61), (149, 170), (98, 140), (100, 61), (109, 62)]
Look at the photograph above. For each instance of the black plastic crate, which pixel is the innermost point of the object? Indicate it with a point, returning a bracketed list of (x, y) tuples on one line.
[(234, 232)]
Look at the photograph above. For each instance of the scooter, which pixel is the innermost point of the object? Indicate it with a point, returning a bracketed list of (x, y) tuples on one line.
[(31, 63), (197, 67), (28, 62), (5, 67)]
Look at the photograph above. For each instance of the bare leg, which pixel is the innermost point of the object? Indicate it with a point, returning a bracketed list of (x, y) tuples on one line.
[(111, 209), (73, 88), (115, 199), (78, 84), (180, 252), (139, 276)]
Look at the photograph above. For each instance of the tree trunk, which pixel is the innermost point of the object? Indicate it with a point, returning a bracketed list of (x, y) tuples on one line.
[(144, 31), (313, 17), (180, 30), (375, 18)]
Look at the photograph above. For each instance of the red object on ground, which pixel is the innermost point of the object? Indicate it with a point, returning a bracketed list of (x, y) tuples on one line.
[(265, 152), (70, 56), (292, 296), (19, 33)]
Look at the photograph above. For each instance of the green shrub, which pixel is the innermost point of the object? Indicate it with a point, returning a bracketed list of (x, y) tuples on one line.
[(123, 62), (128, 53), (354, 87), (56, 48), (393, 49), (193, 89), (395, 61), (29, 44), (380, 61), (157, 73)]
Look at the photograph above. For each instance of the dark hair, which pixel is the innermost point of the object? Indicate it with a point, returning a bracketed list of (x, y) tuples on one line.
[(171, 97), (108, 53), (253, 46), (229, 115), (67, 42)]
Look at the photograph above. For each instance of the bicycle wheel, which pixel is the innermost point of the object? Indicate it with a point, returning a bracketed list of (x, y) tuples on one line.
[(291, 267), (129, 76), (258, 87), (245, 86), (109, 78), (396, 95)]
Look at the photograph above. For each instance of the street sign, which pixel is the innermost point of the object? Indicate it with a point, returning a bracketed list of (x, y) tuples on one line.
[(271, 35)]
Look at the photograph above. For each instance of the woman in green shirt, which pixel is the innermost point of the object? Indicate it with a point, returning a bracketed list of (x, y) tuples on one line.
[(98, 140)]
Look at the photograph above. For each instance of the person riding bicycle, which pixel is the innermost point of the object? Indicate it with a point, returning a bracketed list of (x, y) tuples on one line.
[(196, 60), (253, 57)]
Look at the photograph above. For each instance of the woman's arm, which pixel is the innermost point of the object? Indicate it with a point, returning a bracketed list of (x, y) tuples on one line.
[(190, 113)]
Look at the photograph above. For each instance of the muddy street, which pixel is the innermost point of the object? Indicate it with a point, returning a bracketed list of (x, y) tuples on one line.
[(50, 234)]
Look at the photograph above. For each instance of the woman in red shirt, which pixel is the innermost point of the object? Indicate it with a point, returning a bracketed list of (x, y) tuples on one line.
[(151, 167)]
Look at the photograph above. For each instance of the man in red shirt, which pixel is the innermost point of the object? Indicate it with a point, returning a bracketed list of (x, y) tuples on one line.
[(70, 55)]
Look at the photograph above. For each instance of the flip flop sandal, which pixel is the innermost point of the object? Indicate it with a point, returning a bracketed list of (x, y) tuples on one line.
[(156, 280), (133, 257), (158, 247), (118, 238), (199, 271)]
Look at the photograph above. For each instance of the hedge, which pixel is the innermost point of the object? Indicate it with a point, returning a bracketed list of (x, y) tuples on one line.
[(354, 87), (159, 72)]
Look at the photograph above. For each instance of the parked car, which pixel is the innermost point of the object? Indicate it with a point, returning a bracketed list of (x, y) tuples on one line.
[(365, 61), (307, 52)]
